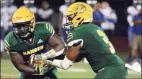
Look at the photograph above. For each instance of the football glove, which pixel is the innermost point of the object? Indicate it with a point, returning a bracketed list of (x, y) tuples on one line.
[(39, 57), (39, 65), (41, 68)]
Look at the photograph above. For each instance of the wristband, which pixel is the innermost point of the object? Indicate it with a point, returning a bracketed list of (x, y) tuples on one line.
[(50, 54)]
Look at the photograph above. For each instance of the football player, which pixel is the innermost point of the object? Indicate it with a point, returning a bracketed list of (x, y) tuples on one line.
[(29, 38), (89, 41)]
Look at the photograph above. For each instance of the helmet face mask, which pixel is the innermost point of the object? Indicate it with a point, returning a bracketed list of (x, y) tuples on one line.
[(68, 25), (23, 29)]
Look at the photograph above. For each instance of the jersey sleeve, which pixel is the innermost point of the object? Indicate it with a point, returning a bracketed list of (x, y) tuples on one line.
[(9, 43), (73, 38), (49, 29)]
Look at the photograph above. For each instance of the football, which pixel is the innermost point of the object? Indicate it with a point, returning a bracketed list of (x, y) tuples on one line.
[(31, 60), (42, 63)]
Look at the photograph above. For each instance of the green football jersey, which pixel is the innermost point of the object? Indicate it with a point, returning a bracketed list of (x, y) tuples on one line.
[(43, 31), (96, 47)]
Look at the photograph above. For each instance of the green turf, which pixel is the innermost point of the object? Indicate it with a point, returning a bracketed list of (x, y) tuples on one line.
[(8, 71)]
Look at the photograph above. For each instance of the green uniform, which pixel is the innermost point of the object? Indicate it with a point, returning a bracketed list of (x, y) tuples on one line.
[(98, 50), (43, 31)]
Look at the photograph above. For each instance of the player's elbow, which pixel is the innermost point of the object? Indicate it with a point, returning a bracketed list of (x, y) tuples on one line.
[(19, 67)]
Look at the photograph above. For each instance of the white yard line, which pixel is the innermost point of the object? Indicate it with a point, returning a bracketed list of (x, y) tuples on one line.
[(132, 72), (73, 70), (8, 75), (81, 70), (84, 70)]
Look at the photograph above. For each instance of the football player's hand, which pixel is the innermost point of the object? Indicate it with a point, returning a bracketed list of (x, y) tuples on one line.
[(41, 68), (36, 59), (40, 57), (39, 65)]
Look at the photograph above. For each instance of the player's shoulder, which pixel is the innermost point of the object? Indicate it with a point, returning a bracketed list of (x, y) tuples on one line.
[(90, 27), (9, 36), (10, 40), (42, 23), (44, 27)]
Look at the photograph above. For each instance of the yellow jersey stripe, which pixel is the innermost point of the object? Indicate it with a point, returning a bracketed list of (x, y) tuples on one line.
[(6, 43), (52, 30), (49, 28), (5, 48)]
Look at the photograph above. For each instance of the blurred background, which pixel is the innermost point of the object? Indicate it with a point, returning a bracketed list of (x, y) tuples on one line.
[(121, 20)]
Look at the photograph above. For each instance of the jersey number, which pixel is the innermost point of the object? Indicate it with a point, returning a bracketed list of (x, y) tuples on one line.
[(106, 40)]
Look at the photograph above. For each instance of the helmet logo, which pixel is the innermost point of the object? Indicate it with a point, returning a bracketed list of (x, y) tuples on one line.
[(81, 8)]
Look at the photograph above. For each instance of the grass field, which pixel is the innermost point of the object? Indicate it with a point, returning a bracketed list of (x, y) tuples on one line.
[(79, 70)]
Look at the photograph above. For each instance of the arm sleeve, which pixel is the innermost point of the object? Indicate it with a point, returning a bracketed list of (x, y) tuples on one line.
[(9, 44), (9, 47), (49, 29), (6, 45), (73, 38)]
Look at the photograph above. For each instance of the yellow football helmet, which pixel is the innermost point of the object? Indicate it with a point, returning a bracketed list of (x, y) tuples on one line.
[(78, 13), (23, 21)]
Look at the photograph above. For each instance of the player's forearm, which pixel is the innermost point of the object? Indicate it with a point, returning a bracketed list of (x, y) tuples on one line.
[(59, 46), (55, 51), (26, 69), (52, 53)]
